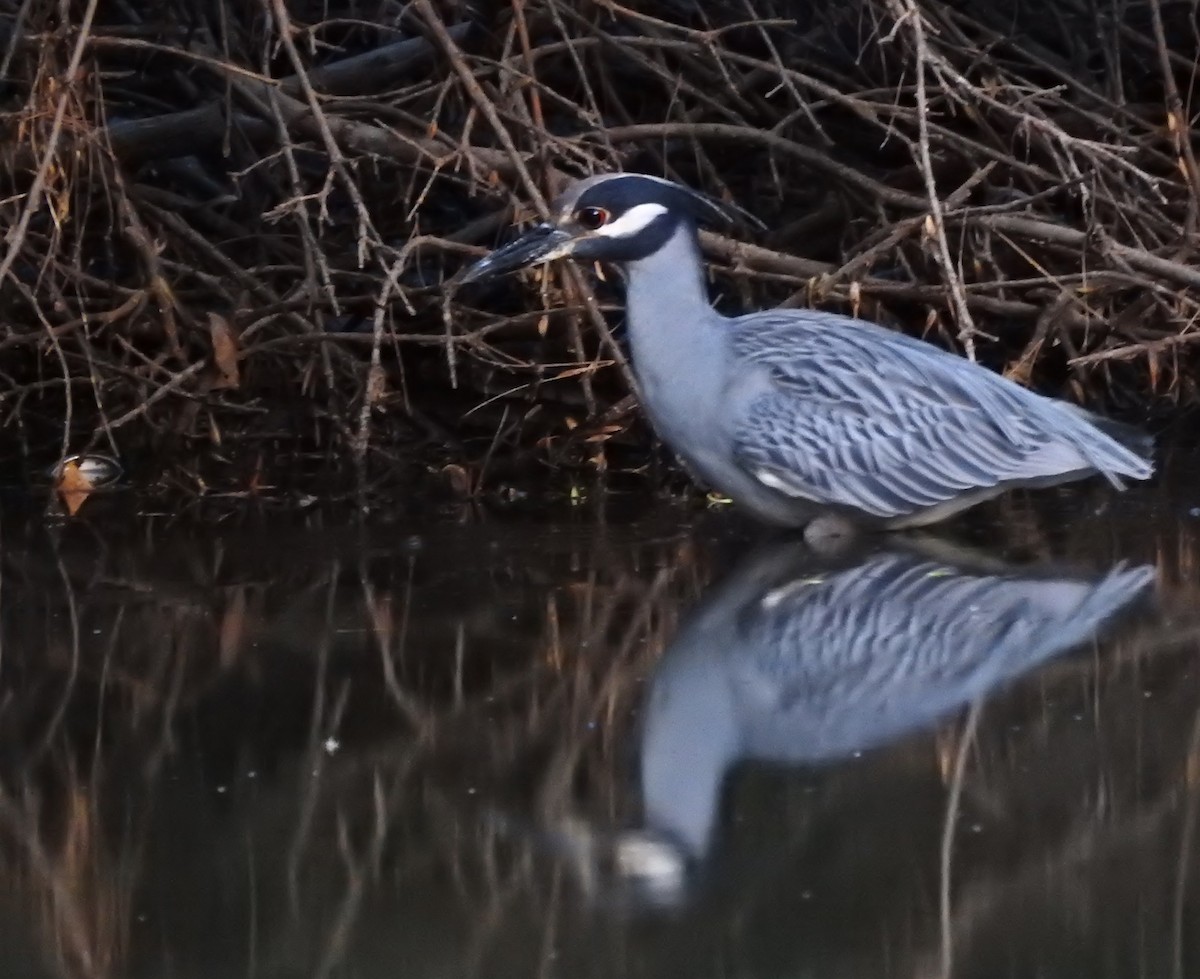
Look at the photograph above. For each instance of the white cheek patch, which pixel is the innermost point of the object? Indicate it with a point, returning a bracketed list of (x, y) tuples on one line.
[(632, 221)]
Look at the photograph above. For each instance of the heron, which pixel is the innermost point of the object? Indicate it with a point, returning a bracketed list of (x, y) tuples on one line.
[(800, 415)]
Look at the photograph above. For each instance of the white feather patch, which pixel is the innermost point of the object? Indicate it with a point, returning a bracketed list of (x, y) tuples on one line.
[(768, 478), (632, 221)]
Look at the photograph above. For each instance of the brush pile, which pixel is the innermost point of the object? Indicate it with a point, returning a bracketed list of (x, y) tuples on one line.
[(229, 225)]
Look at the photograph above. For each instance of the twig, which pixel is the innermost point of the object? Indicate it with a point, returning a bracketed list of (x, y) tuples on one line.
[(33, 198), (906, 10)]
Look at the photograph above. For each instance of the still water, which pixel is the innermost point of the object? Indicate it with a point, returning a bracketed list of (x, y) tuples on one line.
[(622, 740)]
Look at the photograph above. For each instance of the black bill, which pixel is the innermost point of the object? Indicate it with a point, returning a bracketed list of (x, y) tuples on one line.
[(539, 244)]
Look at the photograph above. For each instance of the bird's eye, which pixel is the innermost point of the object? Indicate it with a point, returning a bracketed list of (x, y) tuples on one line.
[(592, 218)]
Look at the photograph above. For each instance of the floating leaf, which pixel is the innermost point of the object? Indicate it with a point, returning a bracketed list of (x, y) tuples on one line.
[(74, 487)]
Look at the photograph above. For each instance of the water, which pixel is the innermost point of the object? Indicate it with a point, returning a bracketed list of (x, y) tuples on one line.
[(623, 742)]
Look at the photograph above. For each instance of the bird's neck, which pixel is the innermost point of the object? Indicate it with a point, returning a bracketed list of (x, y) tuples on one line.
[(666, 291), (673, 330)]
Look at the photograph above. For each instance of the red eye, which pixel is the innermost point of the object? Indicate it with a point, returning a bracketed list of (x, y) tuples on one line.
[(592, 218)]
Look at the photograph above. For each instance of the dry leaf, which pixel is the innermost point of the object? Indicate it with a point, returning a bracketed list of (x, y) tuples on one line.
[(602, 436), (74, 487), (376, 385), (459, 479), (225, 352), (256, 477)]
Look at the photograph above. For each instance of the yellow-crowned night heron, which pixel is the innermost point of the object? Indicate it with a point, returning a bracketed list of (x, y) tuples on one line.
[(797, 413)]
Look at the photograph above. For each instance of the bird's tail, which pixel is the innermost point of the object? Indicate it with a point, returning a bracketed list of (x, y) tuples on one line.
[(1124, 450)]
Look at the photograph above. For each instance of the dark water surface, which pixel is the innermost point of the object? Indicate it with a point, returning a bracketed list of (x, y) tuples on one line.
[(639, 742)]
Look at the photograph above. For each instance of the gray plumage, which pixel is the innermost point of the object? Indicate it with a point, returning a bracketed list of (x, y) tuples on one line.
[(796, 413), (914, 431), (795, 660)]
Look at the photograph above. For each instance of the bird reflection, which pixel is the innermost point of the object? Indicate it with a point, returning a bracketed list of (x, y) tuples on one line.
[(796, 660)]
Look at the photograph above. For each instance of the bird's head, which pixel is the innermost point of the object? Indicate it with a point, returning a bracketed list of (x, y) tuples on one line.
[(615, 217)]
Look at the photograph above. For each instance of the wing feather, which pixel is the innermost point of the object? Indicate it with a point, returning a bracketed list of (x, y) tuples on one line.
[(857, 415)]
